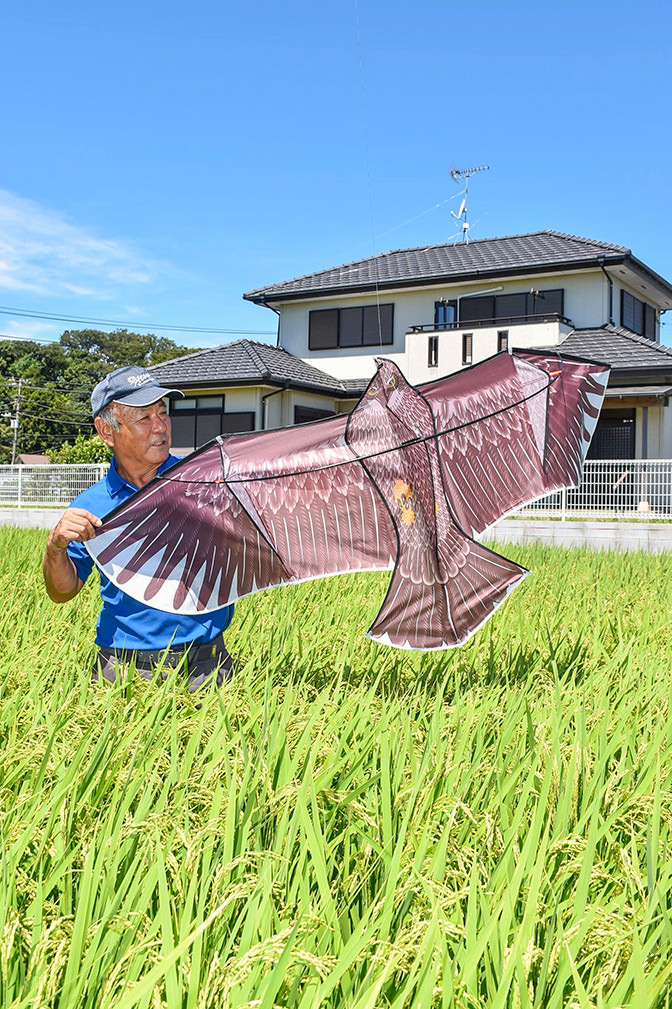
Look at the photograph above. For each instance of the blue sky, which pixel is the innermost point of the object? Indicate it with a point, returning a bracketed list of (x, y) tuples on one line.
[(159, 159)]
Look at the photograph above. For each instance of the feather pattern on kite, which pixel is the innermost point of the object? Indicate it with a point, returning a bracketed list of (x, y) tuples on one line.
[(405, 482)]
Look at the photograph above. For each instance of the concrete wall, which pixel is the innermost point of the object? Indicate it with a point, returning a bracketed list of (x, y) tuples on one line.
[(30, 518), (652, 537)]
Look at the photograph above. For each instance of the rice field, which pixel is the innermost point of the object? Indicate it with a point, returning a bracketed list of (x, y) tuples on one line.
[(345, 825)]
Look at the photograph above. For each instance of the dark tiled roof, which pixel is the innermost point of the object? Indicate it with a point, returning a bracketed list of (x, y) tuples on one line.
[(247, 362), (619, 348), (537, 251)]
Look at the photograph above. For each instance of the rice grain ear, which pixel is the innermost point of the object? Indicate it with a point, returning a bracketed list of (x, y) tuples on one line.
[(345, 825)]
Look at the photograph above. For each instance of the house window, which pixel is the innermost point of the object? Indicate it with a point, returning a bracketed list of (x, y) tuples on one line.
[(614, 438), (637, 316), (467, 347), (198, 419), (323, 329), (502, 340), (367, 326), (512, 307), (200, 403), (433, 352), (445, 314), (238, 422), (307, 414), (477, 309)]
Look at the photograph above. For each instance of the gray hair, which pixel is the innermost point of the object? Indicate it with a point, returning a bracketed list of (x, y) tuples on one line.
[(114, 412), (108, 415)]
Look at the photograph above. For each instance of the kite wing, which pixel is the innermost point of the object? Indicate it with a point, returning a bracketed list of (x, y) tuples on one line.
[(515, 428), (405, 482)]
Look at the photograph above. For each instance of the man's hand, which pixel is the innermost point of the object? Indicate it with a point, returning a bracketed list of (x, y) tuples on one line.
[(75, 525), (60, 574)]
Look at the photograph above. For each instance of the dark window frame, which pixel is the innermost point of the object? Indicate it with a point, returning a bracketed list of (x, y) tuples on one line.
[(226, 421), (637, 315), (467, 348), (432, 351), (488, 304), (309, 414), (327, 327), (249, 414), (443, 308), (502, 340)]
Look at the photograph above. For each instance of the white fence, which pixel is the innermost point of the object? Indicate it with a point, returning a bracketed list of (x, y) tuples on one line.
[(46, 486), (612, 488)]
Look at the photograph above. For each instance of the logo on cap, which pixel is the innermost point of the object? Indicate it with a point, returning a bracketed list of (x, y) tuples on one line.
[(138, 380)]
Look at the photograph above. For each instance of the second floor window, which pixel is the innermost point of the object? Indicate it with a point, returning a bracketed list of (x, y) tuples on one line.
[(433, 352), (637, 316), (467, 348), (502, 340), (367, 326), (445, 313), (512, 307)]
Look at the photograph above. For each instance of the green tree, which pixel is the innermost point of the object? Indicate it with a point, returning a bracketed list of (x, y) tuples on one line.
[(58, 379), (83, 449)]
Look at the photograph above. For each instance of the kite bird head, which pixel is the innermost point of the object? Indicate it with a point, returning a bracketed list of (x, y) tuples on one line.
[(388, 380)]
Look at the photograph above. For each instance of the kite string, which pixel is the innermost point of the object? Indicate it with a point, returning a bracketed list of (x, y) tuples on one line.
[(367, 159), (420, 440)]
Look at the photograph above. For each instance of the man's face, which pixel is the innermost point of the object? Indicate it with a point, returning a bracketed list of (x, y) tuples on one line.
[(143, 438)]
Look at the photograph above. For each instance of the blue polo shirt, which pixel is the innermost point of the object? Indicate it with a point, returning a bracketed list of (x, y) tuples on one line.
[(123, 622)]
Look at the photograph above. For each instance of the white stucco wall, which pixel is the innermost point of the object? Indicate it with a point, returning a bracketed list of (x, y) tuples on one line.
[(585, 304), (484, 344)]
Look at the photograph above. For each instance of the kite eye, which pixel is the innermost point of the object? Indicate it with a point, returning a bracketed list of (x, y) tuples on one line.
[(392, 382), (373, 391)]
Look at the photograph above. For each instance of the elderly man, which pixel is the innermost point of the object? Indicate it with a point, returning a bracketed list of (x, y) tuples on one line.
[(131, 417)]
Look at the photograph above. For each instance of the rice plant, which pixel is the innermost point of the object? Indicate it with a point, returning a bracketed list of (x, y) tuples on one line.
[(344, 825)]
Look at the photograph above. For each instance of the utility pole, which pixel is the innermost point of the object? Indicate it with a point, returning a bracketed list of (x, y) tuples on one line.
[(15, 422)]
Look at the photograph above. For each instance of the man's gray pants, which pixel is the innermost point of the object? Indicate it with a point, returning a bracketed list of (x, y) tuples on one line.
[(205, 665)]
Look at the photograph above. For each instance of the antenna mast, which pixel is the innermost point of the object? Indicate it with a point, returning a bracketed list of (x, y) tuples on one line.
[(465, 173)]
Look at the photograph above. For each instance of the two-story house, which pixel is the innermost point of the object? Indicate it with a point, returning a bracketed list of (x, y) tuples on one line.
[(435, 310)]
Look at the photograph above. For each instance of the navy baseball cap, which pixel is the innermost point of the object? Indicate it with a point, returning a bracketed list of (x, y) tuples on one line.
[(132, 386)]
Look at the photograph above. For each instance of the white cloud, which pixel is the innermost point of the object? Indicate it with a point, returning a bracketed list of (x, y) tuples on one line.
[(42, 252), (29, 329)]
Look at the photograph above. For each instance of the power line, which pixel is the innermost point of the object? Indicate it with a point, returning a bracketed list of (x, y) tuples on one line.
[(24, 339), (57, 411), (57, 420), (54, 388), (23, 313), (73, 390)]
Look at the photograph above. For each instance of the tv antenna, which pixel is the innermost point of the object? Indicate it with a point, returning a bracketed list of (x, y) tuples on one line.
[(458, 174)]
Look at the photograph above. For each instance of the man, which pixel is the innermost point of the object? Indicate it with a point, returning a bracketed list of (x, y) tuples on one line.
[(131, 417)]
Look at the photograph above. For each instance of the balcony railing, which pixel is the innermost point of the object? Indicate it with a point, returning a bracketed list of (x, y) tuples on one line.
[(511, 320)]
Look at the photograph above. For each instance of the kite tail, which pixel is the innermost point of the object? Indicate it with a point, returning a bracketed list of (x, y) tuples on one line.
[(446, 612)]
